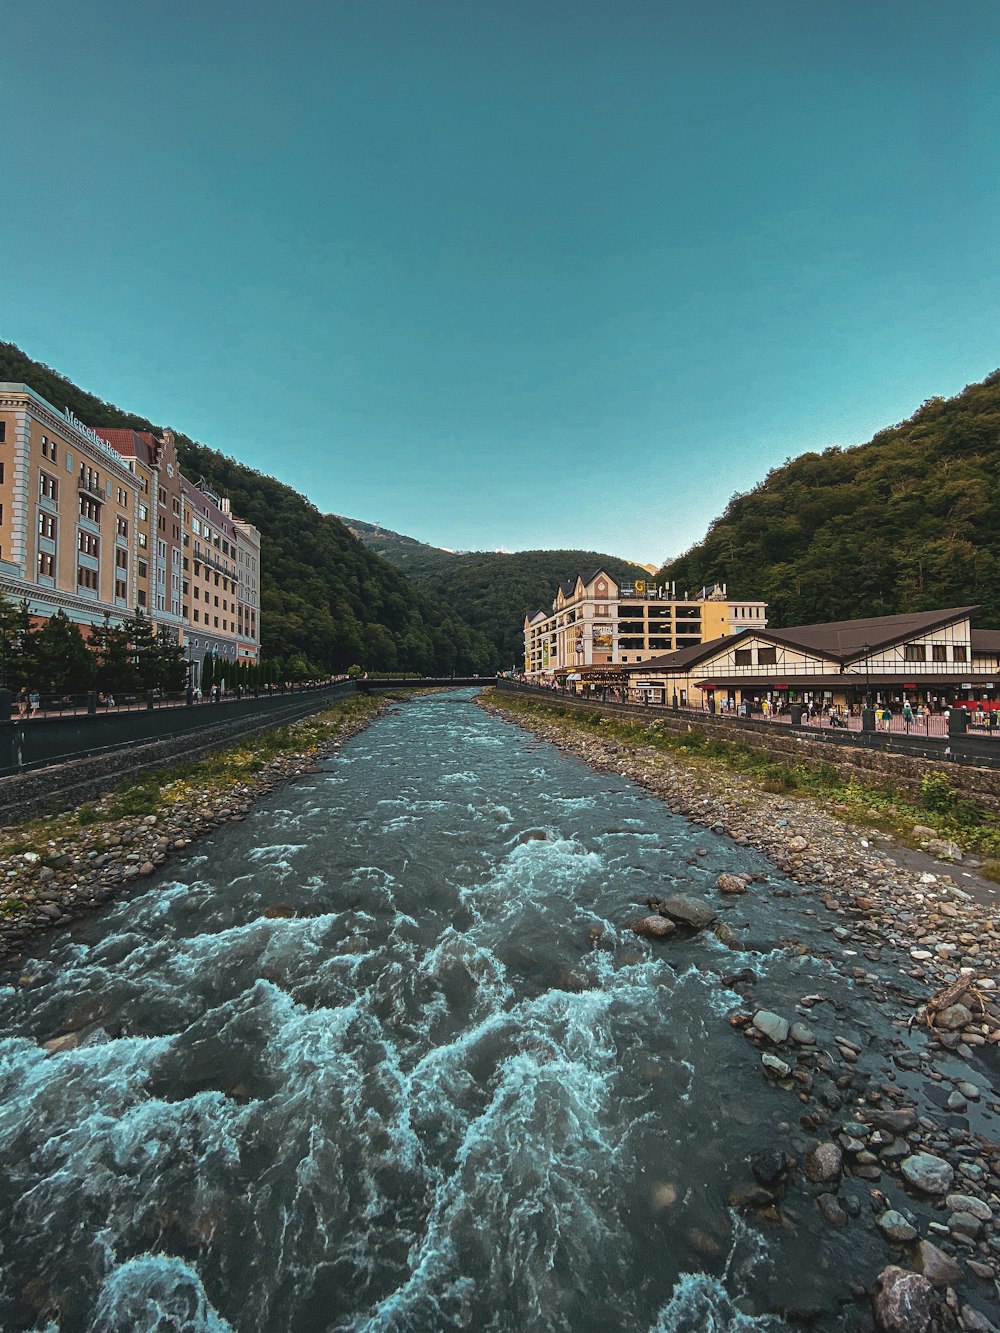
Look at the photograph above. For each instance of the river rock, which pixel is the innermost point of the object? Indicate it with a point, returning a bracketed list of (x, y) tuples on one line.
[(829, 1206), (653, 927), (903, 1302), (768, 1166), (774, 1065), (965, 1203), (687, 912), (926, 1172), (937, 1267), (731, 884), (897, 1120), (772, 1026), (975, 1322), (802, 1035), (823, 1164), (953, 1018), (895, 1228)]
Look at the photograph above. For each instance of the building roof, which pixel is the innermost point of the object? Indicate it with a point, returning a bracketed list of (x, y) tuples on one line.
[(843, 640), (986, 642), (839, 641), (131, 443)]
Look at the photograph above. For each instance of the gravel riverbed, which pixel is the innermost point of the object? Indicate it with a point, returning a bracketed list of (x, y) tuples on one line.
[(916, 1119)]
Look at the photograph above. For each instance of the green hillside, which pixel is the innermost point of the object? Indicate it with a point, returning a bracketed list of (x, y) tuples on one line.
[(324, 596), (909, 521), (491, 590)]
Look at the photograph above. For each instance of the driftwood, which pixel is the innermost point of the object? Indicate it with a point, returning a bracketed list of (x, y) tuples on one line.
[(961, 991)]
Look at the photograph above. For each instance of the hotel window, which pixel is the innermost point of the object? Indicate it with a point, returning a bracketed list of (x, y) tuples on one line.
[(140, 598), (48, 448), (46, 565), (142, 540), (959, 653), (122, 496), (47, 526), (143, 513), (143, 569), (162, 495), (86, 578), (89, 544), (1, 474), (939, 652), (90, 509), (90, 477), (914, 652), (743, 656), (196, 616), (3, 432), (122, 526), (767, 656), (48, 487), (121, 588), (161, 524), (121, 559)]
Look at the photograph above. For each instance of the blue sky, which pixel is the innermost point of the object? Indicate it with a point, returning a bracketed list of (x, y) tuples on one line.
[(507, 274)]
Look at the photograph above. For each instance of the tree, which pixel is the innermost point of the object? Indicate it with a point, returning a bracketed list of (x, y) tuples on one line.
[(170, 661), (64, 663), (116, 671)]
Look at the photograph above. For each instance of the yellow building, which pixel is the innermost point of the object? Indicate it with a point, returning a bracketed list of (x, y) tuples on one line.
[(598, 624), (96, 521), (69, 508)]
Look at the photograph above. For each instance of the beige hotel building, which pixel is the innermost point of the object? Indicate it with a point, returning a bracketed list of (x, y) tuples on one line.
[(598, 624), (96, 521)]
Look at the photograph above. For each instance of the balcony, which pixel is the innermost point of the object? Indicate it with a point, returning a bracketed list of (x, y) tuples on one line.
[(93, 488)]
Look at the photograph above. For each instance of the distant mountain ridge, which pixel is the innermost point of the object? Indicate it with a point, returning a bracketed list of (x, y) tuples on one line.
[(491, 590), (909, 521)]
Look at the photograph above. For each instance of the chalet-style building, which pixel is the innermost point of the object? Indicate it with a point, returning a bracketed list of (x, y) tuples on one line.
[(927, 657), (597, 624)]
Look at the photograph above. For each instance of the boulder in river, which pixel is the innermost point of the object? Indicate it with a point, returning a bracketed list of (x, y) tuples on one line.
[(772, 1026), (687, 912), (938, 1268), (926, 1172), (731, 884), (824, 1163), (653, 927), (904, 1302)]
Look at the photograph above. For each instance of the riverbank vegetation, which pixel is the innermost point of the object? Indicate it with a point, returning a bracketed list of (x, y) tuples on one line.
[(885, 806), (200, 782)]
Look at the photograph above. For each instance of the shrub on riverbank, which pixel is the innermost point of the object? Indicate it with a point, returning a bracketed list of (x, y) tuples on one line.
[(886, 806)]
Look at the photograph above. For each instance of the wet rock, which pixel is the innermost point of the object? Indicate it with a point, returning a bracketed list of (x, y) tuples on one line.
[(68, 1041), (824, 1163), (146, 868), (955, 1017), (802, 1035), (903, 1302), (897, 1120), (975, 1322), (769, 1166), (687, 912), (775, 1066), (744, 1197), (928, 1173), (829, 1206), (965, 1203), (770, 1025), (895, 1227), (936, 1266), (731, 884), (653, 927)]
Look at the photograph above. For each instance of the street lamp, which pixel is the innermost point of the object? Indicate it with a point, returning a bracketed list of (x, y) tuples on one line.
[(866, 649)]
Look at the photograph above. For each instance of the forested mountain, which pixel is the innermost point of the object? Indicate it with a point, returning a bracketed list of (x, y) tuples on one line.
[(406, 553), (325, 597), (909, 521), (491, 590)]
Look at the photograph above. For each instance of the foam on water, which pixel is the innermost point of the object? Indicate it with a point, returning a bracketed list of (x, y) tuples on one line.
[(440, 1089)]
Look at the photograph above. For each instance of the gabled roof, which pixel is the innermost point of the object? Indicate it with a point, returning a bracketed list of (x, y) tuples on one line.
[(587, 579), (839, 641), (844, 640)]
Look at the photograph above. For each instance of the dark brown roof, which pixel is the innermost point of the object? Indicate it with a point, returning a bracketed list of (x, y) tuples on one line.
[(839, 641), (843, 640), (130, 443)]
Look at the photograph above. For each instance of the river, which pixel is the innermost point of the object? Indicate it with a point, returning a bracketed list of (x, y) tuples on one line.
[(386, 1056)]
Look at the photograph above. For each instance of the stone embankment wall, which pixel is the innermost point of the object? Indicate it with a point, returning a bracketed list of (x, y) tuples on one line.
[(981, 785), (66, 786)]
